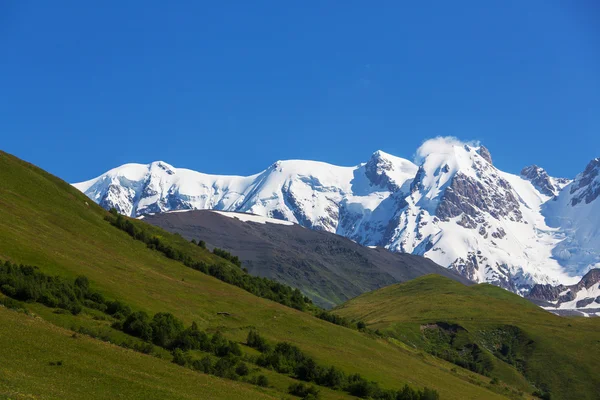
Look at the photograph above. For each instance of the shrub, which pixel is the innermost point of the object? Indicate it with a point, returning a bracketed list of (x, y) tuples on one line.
[(360, 387), (165, 329), (331, 377), (8, 290), (76, 309), (429, 394), (302, 390), (204, 365), (118, 309), (180, 357), (138, 324), (257, 342), (83, 284), (225, 368), (193, 339), (242, 369), (262, 380), (334, 319)]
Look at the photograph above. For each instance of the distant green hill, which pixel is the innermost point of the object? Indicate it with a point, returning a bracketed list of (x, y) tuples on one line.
[(487, 328), (47, 223)]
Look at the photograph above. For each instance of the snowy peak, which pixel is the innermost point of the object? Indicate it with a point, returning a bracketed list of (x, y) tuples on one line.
[(485, 154), (543, 182), (461, 181), (586, 187), (540, 179), (389, 172)]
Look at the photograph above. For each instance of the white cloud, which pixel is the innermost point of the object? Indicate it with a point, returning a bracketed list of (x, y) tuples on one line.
[(440, 145)]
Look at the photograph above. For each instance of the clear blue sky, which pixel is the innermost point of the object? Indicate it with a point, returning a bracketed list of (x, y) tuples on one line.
[(231, 86)]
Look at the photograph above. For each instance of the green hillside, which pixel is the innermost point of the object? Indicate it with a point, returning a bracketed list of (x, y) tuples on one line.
[(91, 368), (46, 223), (485, 327)]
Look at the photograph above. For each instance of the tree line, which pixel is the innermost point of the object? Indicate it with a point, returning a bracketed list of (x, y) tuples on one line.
[(286, 358)]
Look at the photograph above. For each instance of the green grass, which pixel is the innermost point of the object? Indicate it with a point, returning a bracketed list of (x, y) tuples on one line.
[(564, 355), (94, 369), (46, 222)]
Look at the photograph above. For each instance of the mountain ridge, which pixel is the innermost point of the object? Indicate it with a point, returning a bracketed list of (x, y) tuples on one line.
[(451, 205)]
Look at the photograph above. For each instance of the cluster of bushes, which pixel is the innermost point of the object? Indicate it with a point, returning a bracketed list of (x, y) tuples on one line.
[(261, 287), (334, 319), (220, 253), (27, 283), (454, 344), (510, 344), (337, 320), (227, 256), (229, 367), (165, 330), (201, 243), (288, 359), (304, 391)]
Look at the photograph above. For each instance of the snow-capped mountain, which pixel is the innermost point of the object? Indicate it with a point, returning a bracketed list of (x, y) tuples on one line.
[(576, 214), (583, 297), (309, 193), (451, 205)]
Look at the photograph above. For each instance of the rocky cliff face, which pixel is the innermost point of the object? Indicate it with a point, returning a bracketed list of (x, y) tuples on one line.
[(583, 296), (542, 181), (452, 206), (586, 187)]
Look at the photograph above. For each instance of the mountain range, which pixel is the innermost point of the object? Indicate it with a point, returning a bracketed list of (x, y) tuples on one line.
[(450, 204)]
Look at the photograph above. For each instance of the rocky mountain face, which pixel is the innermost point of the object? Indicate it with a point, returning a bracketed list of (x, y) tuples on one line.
[(452, 205), (542, 181), (328, 268), (582, 297)]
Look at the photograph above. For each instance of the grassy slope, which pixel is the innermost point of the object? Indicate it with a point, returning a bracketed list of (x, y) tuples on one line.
[(567, 350), (44, 221), (91, 367)]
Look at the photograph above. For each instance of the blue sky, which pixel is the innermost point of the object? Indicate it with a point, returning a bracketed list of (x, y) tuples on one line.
[(231, 86)]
